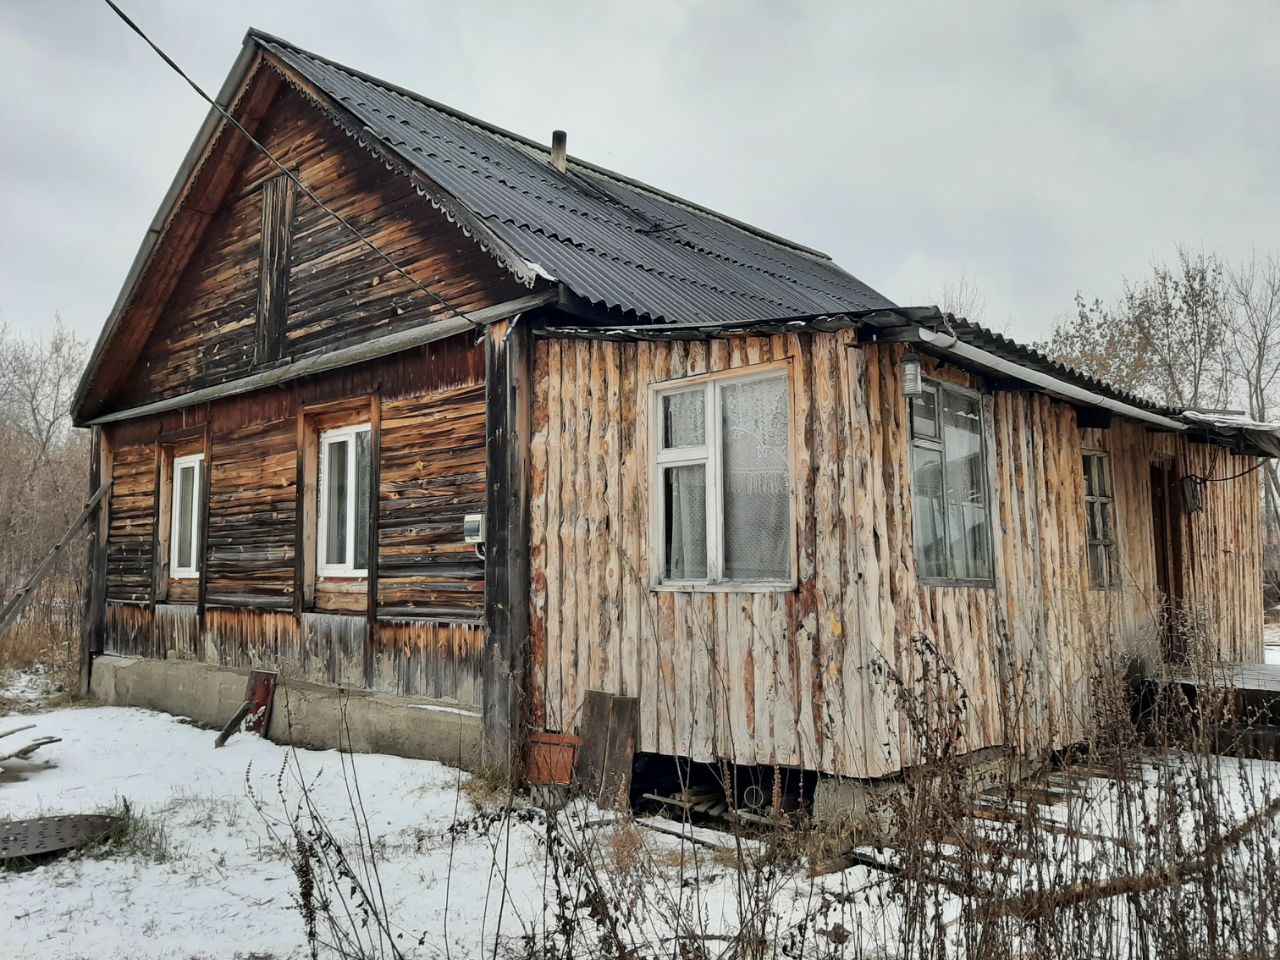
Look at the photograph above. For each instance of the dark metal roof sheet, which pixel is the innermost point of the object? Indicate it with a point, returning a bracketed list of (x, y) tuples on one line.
[(979, 336), (616, 242)]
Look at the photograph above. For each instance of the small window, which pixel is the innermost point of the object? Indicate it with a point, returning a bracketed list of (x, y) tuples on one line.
[(184, 535), (1100, 529), (343, 541), (722, 481), (950, 507)]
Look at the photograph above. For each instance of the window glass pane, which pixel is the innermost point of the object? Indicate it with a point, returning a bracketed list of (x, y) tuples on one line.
[(757, 504), (335, 494), (186, 498), (685, 520), (965, 486), (362, 500), (924, 415), (926, 508), (684, 422), (1097, 565)]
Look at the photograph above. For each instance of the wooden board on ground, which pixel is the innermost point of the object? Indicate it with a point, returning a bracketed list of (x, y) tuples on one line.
[(594, 732), (615, 779)]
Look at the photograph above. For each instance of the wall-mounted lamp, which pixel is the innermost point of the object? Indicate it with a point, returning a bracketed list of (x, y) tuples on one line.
[(912, 381)]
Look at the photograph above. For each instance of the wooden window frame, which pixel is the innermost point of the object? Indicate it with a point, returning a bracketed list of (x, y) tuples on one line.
[(176, 570), (326, 438), (938, 444), (710, 455), (1111, 579)]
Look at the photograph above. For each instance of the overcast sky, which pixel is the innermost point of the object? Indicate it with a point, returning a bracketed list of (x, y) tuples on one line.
[(1036, 148)]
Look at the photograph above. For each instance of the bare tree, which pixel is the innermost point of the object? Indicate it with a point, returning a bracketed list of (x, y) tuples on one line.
[(962, 298), (1254, 358), (43, 458), (37, 381), (1100, 341), (1167, 337)]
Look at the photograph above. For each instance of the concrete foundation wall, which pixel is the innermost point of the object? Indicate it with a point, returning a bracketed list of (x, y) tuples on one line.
[(302, 714)]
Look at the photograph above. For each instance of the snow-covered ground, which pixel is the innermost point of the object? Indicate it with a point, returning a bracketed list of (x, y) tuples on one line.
[(216, 881), (26, 688), (223, 889)]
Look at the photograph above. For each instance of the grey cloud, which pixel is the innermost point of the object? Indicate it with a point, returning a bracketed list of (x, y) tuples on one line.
[(1036, 148)]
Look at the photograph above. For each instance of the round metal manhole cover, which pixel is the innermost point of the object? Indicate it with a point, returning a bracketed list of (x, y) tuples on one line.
[(31, 838)]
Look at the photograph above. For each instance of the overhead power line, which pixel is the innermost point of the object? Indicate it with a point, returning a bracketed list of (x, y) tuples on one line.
[(226, 115)]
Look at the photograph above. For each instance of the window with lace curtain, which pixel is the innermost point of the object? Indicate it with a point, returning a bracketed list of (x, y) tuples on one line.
[(722, 481)]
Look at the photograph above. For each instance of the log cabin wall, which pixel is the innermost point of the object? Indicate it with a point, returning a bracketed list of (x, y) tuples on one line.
[(274, 279), (424, 638), (812, 677), (338, 291)]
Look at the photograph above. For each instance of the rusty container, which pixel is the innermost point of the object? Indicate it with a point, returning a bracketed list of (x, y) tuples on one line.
[(550, 758)]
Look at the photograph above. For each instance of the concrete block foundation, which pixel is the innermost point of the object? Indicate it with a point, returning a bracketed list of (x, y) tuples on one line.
[(302, 714)]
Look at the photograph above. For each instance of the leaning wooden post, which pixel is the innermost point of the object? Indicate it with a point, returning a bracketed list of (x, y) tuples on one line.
[(93, 612), (508, 423)]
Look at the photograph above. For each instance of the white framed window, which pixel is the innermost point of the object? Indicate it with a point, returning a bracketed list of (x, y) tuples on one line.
[(184, 530), (721, 504), (342, 543), (950, 505), (1100, 522)]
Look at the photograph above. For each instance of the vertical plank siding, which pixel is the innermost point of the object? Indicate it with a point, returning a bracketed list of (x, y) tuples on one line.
[(816, 677)]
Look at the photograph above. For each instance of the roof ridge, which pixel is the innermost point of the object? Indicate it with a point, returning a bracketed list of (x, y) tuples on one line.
[(263, 37)]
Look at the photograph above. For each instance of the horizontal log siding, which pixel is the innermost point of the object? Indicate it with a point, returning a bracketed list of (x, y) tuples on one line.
[(811, 677), (339, 291), (252, 490), (432, 473), (132, 523)]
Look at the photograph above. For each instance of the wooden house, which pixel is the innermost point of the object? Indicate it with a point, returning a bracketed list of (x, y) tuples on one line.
[(403, 402)]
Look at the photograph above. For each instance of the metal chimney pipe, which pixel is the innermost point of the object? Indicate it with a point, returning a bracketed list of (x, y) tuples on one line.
[(560, 150)]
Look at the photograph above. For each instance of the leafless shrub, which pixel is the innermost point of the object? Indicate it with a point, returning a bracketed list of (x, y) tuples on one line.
[(339, 896), (41, 492)]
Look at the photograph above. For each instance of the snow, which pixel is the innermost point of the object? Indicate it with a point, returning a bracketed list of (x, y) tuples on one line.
[(224, 886), (225, 889), (225, 892), (26, 687), (1271, 643)]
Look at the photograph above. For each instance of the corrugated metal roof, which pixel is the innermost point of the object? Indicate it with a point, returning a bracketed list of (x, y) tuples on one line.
[(612, 240), (979, 336)]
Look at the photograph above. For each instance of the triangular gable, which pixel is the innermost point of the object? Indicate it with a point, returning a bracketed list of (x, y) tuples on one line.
[(199, 262)]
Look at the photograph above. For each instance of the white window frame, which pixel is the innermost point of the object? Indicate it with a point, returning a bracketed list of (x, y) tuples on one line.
[(709, 456), (176, 570), (346, 569), (937, 444)]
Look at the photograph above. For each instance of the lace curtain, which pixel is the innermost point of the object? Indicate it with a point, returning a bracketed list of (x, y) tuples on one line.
[(757, 506)]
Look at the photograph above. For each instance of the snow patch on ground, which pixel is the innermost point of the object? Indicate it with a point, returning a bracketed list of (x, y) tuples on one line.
[(225, 889), (27, 687), (1271, 643)]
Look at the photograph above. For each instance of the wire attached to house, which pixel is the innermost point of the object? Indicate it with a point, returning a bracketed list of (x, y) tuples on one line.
[(1234, 476), (226, 115)]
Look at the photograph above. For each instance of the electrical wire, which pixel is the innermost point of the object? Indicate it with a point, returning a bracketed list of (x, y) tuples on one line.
[(226, 115), (1234, 476)]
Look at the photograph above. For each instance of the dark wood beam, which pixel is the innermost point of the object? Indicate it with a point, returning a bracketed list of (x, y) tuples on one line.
[(508, 424)]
